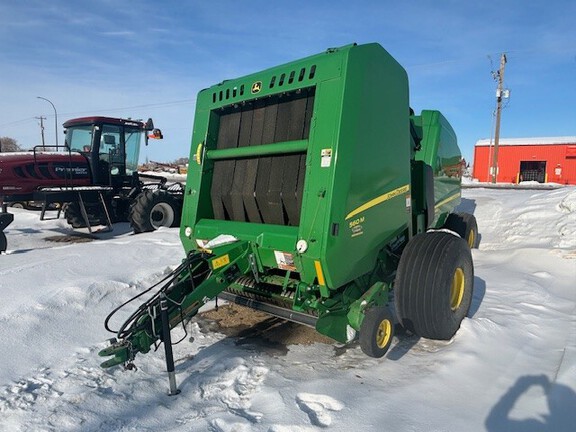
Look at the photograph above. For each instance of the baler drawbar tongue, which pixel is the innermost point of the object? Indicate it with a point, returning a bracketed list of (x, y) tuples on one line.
[(120, 351), (179, 296)]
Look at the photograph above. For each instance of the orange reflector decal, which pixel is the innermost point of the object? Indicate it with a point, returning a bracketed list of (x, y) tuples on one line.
[(319, 273)]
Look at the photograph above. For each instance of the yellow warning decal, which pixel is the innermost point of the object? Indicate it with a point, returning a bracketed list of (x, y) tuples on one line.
[(220, 261), (379, 200), (319, 273)]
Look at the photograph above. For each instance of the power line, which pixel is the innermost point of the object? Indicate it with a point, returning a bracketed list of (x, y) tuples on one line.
[(159, 104), (15, 122)]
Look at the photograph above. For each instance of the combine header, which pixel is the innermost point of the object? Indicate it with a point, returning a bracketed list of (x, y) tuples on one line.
[(315, 194)]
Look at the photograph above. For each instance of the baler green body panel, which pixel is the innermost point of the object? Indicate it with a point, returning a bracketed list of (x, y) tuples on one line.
[(440, 151), (354, 163)]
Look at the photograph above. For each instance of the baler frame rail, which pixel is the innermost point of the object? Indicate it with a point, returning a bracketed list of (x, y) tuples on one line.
[(278, 311)]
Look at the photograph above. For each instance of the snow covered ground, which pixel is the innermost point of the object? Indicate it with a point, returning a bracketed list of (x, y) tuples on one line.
[(511, 366)]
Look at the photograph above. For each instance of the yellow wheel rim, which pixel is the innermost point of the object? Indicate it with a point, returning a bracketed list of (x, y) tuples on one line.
[(384, 333), (471, 238), (457, 289)]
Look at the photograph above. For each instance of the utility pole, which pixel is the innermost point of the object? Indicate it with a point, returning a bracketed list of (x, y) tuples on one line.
[(500, 94), (55, 117), (42, 130)]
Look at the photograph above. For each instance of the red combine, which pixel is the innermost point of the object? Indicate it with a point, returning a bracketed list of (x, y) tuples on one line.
[(94, 177)]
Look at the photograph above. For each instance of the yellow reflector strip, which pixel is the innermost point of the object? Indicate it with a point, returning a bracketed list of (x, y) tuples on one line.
[(447, 200), (220, 262), (319, 273), (199, 154), (379, 200)]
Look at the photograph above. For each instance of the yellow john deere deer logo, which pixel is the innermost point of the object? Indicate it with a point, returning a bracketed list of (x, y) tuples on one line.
[(256, 87)]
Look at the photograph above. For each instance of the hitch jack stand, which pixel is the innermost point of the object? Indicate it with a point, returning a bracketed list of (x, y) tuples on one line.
[(173, 389)]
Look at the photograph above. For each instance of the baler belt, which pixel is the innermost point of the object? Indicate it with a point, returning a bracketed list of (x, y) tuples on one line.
[(223, 170), (252, 168), (240, 171), (265, 164), (263, 188)]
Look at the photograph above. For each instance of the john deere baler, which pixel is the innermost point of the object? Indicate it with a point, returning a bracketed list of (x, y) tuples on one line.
[(315, 194)]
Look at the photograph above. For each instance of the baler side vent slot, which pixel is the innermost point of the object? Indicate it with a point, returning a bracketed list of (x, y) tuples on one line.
[(312, 72), (275, 81), (260, 159), (221, 95), (279, 81)]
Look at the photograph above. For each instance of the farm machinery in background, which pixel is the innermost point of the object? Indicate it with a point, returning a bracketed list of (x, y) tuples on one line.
[(94, 177), (314, 193)]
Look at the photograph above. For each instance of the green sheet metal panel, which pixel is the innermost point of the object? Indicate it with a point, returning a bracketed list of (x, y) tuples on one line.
[(371, 176), (440, 151)]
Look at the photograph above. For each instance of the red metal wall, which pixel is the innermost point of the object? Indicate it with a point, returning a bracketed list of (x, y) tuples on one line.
[(562, 156)]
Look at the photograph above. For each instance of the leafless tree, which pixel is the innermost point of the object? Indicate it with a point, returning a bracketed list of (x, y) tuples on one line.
[(8, 144)]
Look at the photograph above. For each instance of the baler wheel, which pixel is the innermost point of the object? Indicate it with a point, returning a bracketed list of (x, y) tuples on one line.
[(152, 210), (465, 225), (434, 283), (376, 331)]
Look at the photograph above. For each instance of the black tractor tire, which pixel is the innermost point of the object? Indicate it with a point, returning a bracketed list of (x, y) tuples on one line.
[(18, 205), (376, 331), (3, 242), (153, 209), (74, 217), (434, 284), (465, 225)]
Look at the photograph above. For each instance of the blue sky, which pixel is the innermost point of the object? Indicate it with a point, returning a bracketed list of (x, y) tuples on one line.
[(143, 59)]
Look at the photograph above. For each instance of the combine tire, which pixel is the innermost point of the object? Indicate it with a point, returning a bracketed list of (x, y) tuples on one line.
[(74, 217), (433, 287), (152, 210), (376, 331), (464, 224)]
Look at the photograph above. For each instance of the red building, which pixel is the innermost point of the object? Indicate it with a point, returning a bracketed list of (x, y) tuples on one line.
[(545, 160)]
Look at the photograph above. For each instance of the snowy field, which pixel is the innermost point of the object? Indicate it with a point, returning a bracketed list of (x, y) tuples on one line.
[(511, 367)]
